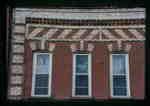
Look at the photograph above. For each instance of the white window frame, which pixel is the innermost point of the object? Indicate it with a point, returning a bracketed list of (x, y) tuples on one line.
[(89, 76), (127, 76), (33, 75)]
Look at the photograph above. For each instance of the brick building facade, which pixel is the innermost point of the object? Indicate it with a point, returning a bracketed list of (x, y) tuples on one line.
[(77, 54)]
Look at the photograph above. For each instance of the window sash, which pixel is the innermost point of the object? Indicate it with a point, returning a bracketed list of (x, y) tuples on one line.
[(35, 73), (126, 74), (75, 74)]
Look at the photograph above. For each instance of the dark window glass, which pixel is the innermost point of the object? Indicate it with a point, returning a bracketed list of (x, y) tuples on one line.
[(41, 80), (81, 81), (120, 92), (41, 91), (81, 63), (81, 91), (119, 81)]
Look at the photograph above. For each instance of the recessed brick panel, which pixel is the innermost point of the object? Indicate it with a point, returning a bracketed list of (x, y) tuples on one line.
[(28, 70), (15, 91), (62, 71), (100, 72), (137, 70)]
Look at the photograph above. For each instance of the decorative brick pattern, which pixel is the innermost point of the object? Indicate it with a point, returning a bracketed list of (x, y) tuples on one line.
[(17, 69), (16, 79), (128, 47), (18, 48), (33, 45), (73, 47), (51, 47), (15, 91), (19, 29), (110, 47), (84, 22), (18, 38), (90, 47), (83, 33), (17, 59)]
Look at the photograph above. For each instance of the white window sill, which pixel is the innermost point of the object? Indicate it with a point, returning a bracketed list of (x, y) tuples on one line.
[(121, 97)]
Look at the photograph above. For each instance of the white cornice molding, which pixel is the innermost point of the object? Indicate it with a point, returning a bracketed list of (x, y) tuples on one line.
[(79, 27), (79, 14), (77, 10)]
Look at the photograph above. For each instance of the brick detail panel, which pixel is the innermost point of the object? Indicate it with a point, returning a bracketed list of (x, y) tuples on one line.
[(17, 48), (18, 38), (15, 91), (16, 79), (28, 70), (17, 58), (137, 62), (17, 69), (62, 71), (19, 29), (100, 71)]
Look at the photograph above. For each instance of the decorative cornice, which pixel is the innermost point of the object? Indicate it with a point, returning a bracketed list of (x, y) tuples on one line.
[(51, 47), (73, 47), (85, 27), (110, 47), (72, 22), (93, 40), (90, 47), (62, 33), (79, 14), (79, 10), (128, 47), (81, 45), (33, 46), (119, 43)]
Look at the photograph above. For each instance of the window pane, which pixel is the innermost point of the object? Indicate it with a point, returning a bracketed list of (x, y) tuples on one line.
[(42, 69), (42, 66), (118, 64), (120, 92), (119, 81), (41, 80), (81, 91), (42, 59), (81, 81), (41, 91), (81, 63)]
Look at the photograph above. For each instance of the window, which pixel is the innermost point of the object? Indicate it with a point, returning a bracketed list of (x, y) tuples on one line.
[(119, 75), (82, 75), (41, 78)]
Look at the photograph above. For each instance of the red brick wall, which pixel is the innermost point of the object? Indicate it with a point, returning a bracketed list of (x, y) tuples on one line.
[(62, 71), (28, 70), (100, 71), (137, 62)]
